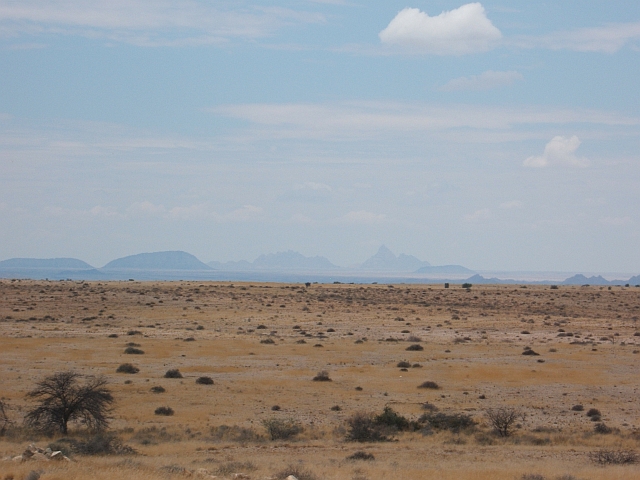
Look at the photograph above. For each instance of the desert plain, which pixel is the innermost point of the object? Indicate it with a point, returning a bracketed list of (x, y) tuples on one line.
[(262, 344)]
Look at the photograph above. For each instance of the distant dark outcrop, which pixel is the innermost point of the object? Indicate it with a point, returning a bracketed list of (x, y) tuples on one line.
[(158, 261), (386, 261), (46, 263)]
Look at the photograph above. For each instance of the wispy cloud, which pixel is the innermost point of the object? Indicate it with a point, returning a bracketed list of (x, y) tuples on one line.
[(485, 81), (478, 215), (559, 151), (605, 39), (460, 31), (147, 22)]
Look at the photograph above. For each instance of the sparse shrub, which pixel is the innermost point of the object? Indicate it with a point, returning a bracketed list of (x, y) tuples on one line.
[(234, 434), (360, 455), (204, 381), (336, 408), (363, 428), (403, 364), (614, 457), (276, 408), (158, 389), (467, 285), (454, 422), (601, 428), (592, 412), (429, 407), (504, 419), (229, 468), (165, 411), (282, 429), (134, 332), (414, 348), (5, 421), (532, 476), (390, 418), (429, 385), (99, 444), (577, 408), (112, 335), (267, 341), (133, 351), (173, 373), (322, 376), (127, 368)]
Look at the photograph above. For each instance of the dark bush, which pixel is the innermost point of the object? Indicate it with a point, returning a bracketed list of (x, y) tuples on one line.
[(268, 341), (113, 335), (99, 444), (577, 408), (322, 376), (134, 332), (592, 412), (173, 373), (414, 348), (228, 469), (602, 429), (166, 411), (390, 418), (5, 421), (454, 422), (467, 285), (127, 368), (336, 408), (133, 351), (276, 408), (430, 385), (430, 407), (362, 427), (158, 389), (204, 381), (282, 429), (360, 455), (403, 364)]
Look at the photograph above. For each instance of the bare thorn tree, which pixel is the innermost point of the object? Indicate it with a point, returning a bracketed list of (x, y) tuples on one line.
[(62, 399), (504, 419)]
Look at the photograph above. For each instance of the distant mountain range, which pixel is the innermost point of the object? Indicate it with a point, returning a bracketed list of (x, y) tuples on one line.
[(157, 261), (287, 266)]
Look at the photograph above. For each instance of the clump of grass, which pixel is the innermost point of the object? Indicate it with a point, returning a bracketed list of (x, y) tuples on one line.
[(204, 381), (429, 385), (322, 376), (403, 364), (133, 351), (454, 422), (614, 457), (234, 434), (282, 429), (296, 472), (360, 455), (165, 411), (229, 468), (158, 389), (268, 341), (173, 373), (127, 368)]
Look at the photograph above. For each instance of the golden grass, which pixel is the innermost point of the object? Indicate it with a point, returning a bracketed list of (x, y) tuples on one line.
[(473, 344)]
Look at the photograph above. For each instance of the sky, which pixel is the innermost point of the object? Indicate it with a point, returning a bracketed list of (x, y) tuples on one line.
[(501, 135)]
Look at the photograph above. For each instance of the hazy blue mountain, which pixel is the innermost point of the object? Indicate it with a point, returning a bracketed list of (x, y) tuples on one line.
[(580, 279), (46, 263), (239, 266), (445, 269), (386, 261), (291, 260), (158, 261), (634, 280)]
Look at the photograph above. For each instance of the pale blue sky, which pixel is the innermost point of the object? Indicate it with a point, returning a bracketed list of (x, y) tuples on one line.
[(497, 135)]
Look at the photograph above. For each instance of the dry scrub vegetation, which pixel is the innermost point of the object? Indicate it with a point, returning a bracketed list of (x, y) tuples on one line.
[(327, 381)]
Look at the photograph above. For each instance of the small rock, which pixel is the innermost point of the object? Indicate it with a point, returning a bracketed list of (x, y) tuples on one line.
[(59, 456), (18, 459), (39, 457), (291, 477)]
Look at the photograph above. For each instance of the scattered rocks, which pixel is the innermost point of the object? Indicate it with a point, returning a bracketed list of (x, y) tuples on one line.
[(36, 454)]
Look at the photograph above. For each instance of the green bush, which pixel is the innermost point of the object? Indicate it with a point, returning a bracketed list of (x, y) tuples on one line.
[(452, 422)]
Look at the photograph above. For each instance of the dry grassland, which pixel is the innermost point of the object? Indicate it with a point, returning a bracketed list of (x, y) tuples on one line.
[(473, 343)]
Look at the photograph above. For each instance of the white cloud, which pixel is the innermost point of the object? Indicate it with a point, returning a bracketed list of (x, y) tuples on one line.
[(247, 212), (485, 81), (606, 39), (145, 208), (372, 119), (457, 32), (478, 215), (362, 217), (559, 151), (511, 205), (146, 22)]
